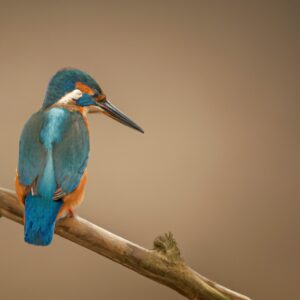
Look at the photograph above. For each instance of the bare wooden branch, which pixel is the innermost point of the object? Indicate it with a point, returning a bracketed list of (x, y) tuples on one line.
[(163, 263)]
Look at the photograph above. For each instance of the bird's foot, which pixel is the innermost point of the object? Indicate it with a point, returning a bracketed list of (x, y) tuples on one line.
[(66, 213), (71, 213)]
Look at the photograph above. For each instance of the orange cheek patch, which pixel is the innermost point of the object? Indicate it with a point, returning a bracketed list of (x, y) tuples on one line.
[(84, 88)]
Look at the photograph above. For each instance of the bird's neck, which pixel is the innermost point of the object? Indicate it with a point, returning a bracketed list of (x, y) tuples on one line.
[(72, 108)]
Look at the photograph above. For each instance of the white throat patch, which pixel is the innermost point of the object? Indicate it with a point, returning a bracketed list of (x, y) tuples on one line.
[(68, 98)]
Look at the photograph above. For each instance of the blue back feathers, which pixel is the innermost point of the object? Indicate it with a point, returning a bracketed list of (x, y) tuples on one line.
[(53, 152)]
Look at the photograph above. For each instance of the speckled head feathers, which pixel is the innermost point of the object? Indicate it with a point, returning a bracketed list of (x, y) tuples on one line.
[(64, 81)]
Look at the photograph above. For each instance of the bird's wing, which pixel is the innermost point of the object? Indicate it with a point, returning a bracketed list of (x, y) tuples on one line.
[(71, 154), (69, 142), (32, 154)]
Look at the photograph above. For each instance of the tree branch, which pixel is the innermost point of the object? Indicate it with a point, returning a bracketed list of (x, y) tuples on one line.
[(162, 264)]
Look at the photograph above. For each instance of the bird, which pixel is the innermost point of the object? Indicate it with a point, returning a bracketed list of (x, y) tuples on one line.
[(54, 151)]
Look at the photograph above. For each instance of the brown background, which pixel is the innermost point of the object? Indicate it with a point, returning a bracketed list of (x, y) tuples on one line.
[(215, 85)]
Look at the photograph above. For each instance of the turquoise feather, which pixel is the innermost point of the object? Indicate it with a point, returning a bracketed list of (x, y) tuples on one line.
[(54, 149)]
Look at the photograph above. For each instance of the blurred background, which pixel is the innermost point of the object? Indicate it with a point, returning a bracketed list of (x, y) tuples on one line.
[(215, 85)]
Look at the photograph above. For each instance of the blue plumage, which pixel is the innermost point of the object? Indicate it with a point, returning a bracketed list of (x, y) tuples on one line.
[(54, 149), (32, 156), (85, 100), (71, 154), (40, 214)]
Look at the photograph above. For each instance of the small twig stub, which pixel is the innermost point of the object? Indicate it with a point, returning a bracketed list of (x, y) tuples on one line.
[(167, 245)]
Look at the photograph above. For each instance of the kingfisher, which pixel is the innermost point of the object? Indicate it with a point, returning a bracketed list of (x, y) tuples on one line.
[(54, 151)]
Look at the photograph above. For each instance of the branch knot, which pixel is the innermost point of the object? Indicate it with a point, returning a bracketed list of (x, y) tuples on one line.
[(167, 246)]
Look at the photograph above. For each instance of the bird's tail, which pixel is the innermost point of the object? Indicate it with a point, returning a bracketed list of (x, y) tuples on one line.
[(40, 217)]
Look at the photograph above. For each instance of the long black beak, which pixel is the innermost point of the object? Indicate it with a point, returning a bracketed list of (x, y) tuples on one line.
[(113, 112)]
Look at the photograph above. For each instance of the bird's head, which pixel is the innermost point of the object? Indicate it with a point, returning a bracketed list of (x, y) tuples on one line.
[(73, 88)]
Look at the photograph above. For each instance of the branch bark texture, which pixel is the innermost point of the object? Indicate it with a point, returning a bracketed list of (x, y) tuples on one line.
[(162, 264)]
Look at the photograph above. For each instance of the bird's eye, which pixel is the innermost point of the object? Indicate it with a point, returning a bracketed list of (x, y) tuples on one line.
[(96, 93)]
